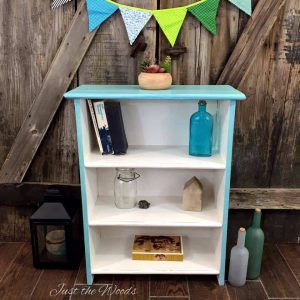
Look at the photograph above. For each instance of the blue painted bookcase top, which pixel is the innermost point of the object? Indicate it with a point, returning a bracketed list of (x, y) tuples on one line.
[(177, 92)]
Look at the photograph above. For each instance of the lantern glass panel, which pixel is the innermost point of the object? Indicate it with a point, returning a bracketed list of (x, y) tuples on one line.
[(51, 243)]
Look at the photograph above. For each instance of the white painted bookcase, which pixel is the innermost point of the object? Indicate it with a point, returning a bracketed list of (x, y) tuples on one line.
[(157, 129)]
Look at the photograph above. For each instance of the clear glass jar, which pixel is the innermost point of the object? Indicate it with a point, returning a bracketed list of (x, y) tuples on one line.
[(126, 188)]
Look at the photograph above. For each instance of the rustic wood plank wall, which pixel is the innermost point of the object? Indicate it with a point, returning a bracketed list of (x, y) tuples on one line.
[(266, 151), (108, 60), (30, 37)]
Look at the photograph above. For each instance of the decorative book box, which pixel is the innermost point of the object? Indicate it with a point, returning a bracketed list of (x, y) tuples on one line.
[(168, 248), (157, 127)]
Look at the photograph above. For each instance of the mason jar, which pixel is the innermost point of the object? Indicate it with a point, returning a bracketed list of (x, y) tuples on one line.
[(125, 188)]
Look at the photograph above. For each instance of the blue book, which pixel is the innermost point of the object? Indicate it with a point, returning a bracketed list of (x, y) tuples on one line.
[(116, 127)]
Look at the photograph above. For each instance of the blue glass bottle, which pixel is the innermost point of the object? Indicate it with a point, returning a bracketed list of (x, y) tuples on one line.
[(201, 129)]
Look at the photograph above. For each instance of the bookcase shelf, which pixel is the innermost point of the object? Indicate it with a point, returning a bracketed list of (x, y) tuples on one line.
[(157, 129), (106, 214), (111, 261), (154, 157), (111, 252)]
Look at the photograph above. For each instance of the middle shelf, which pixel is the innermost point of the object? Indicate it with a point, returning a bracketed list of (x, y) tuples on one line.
[(164, 211), (154, 157)]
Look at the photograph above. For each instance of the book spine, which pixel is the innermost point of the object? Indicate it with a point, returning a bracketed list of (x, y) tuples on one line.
[(116, 127), (94, 121), (103, 127)]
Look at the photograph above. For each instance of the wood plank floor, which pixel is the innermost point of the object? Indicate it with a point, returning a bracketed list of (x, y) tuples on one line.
[(280, 279)]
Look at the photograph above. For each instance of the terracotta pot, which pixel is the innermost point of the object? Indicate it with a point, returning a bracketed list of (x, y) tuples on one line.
[(155, 81)]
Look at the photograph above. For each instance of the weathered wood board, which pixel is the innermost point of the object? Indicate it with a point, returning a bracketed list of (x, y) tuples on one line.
[(250, 42), (41, 113), (29, 39), (108, 60), (251, 198), (266, 148)]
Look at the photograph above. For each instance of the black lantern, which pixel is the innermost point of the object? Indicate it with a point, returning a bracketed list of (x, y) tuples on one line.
[(56, 236)]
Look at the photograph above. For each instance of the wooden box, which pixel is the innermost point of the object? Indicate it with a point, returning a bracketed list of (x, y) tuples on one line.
[(162, 248)]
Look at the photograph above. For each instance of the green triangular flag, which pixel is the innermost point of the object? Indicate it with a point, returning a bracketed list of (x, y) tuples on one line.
[(244, 5), (206, 13), (170, 21)]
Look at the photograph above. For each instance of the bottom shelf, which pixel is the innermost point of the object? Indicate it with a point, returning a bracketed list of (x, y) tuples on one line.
[(111, 254)]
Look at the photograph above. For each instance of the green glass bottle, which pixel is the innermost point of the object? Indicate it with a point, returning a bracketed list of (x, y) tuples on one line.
[(255, 244)]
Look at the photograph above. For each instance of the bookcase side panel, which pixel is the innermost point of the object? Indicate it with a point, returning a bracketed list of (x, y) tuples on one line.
[(230, 131), (88, 133), (223, 130), (219, 180), (83, 180)]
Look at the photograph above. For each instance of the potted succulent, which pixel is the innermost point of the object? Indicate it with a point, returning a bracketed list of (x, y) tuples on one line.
[(155, 76)]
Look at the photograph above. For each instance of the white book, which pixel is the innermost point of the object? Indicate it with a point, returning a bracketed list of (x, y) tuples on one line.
[(90, 104), (103, 127)]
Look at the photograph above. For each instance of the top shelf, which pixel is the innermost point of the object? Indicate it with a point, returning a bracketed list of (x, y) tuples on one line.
[(176, 92)]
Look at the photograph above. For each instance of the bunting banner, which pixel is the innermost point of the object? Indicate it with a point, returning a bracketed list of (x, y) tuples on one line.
[(170, 20)]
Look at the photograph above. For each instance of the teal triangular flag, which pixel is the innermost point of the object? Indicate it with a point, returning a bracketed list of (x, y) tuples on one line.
[(244, 5), (98, 12), (206, 14)]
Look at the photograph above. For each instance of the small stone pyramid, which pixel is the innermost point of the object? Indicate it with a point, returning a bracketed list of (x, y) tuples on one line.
[(192, 195)]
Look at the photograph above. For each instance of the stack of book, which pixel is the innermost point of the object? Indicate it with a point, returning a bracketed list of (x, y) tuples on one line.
[(109, 127)]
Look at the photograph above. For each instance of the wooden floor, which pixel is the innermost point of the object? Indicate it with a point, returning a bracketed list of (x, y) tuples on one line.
[(280, 279)]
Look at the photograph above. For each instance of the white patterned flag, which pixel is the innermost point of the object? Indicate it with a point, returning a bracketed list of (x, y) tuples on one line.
[(57, 3), (134, 21)]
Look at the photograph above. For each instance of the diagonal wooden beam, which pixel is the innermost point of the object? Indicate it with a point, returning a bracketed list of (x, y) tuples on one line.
[(249, 44), (59, 77)]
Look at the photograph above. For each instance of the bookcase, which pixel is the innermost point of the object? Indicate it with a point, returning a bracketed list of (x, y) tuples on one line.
[(157, 129)]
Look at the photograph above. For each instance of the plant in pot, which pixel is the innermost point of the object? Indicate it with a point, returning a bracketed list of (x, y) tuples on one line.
[(155, 76)]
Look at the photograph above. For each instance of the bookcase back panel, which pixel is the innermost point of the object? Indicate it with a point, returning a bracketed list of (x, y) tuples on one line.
[(163, 182), (159, 123), (165, 185), (155, 123)]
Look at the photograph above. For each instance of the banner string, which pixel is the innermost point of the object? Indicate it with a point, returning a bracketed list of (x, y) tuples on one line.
[(153, 10)]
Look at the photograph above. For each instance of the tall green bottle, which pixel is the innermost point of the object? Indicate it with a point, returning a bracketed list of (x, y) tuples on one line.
[(255, 244)]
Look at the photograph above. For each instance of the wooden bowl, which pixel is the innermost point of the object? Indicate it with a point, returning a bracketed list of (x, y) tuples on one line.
[(155, 81)]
